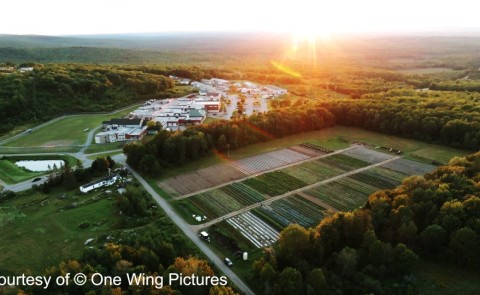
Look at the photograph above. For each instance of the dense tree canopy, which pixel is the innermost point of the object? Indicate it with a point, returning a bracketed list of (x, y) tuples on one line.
[(371, 250)]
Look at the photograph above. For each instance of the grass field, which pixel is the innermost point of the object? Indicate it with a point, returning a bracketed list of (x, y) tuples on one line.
[(66, 131), (11, 173), (42, 236)]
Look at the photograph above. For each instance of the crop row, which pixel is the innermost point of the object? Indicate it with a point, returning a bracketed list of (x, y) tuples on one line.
[(275, 183), (343, 195), (370, 178), (367, 155), (243, 193), (312, 172), (409, 167), (298, 210), (343, 162), (215, 203)]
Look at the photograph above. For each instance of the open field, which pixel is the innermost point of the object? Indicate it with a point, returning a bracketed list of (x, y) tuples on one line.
[(11, 173), (48, 235), (65, 131)]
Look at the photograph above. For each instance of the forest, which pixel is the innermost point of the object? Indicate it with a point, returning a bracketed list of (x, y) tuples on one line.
[(373, 250)]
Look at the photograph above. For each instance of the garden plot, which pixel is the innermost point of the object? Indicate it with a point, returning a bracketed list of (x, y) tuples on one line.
[(344, 194), (313, 171), (294, 209), (200, 179), (367, 155), (274, 183), (409, 167), (267, 161), (254, 229), (343, 162), (373, 179), (226, 199)]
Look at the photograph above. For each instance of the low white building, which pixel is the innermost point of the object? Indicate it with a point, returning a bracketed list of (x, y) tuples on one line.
[(106, 181)]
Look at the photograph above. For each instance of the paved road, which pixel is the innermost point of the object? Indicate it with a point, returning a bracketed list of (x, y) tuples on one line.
[(276, 198), (192, 235)]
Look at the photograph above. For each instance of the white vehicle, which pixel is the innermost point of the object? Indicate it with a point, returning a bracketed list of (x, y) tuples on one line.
[(228, 262), (86, 129), (204, 236)]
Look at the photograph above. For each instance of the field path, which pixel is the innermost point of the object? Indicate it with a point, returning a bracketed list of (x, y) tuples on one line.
[(266, 171), (229, 215)]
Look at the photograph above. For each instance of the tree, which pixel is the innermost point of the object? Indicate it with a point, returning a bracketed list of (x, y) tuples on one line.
[(462, 245), (404, 259), (316, 283), (289, 282), (346, 261), (293, 244), (433, 238)]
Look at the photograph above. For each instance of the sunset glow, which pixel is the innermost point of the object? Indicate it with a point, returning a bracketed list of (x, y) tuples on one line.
[(301, 18)]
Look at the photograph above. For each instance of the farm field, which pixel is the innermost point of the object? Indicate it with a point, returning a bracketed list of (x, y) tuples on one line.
[(337, 137), (200, 179), (274, 183), (267, 161), (294, 209), (409, 167), (65, 131), (367, 155), (254, 229), (218, 202), (218, 174), (343, 194)]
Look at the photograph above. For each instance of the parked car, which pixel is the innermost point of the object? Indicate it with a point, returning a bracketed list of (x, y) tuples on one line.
[(204, 236), (228, 262)]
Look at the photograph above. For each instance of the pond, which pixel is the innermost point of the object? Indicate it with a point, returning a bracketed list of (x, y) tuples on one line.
[(39, 165)]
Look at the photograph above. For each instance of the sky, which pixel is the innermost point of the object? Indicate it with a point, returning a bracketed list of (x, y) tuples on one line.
[(73, 17)]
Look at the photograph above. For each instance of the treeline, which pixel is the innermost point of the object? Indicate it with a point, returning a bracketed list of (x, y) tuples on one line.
[(448, 118), (374, 250), (53, 90), (157, 249), (168, 149)]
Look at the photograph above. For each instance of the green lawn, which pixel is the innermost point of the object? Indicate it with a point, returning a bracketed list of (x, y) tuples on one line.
[(66, 131), (11, 173), (41, 236)]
